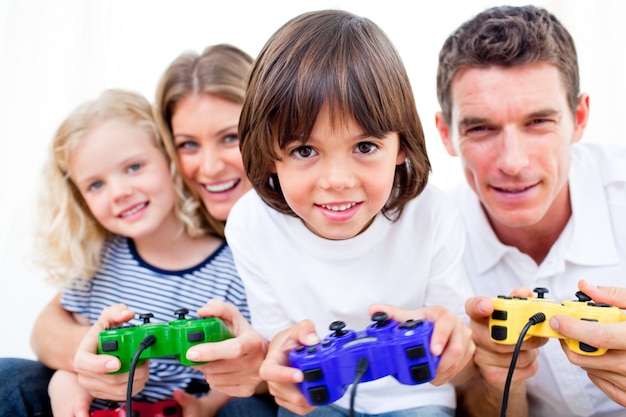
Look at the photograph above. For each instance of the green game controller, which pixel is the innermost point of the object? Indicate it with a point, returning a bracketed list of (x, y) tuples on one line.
[(172, 339), (511, 314)]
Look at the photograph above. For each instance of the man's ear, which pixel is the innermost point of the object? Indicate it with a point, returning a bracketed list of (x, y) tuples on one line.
[(444, 132), (581, 116)]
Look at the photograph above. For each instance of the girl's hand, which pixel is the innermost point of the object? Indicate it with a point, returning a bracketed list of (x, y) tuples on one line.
[(92, 368), (233, 364)]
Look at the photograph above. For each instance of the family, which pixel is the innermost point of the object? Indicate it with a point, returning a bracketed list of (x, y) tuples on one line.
[(286, 192)]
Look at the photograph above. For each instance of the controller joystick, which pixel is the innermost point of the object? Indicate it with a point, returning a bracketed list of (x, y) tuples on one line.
[(511, 314), (146, 317), (582, 297), (541, 292), (381, 319), (172, 339), (181, 313), (391, 349), (337, 327)]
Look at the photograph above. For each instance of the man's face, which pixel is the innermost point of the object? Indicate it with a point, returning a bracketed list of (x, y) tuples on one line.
[(513, 129)]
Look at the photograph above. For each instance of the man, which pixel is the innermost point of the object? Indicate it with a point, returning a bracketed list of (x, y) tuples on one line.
[(541, 209)]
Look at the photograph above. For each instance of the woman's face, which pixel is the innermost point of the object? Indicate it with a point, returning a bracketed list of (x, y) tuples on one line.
[(204, 128)]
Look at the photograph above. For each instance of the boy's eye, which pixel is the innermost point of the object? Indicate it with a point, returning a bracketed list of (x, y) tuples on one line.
[(303, 152), (365, 147)]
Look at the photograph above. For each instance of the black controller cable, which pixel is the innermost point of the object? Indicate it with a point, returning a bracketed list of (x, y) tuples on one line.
[(536, 319), (145, 343), (361, 368)]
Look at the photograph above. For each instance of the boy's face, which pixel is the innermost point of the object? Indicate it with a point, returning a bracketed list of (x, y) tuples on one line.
[(125, 180), (513, 129), (340, 178)]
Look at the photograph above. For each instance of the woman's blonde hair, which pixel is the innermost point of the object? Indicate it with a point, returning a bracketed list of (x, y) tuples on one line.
[(69, 240)]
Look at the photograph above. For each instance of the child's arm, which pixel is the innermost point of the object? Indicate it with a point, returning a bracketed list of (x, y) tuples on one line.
[(92, 368), (56, 336), (280, 377), (67, 397), (233, 364)]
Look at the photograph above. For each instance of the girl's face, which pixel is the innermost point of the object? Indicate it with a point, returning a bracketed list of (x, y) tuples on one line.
[(125, 180), (340, 178), (205, 135)]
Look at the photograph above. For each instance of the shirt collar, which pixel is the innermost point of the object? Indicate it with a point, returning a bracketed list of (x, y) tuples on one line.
[(591, 242)]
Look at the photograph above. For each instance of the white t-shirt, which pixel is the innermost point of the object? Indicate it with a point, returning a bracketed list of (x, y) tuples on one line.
[(291, 274), (592, 247)]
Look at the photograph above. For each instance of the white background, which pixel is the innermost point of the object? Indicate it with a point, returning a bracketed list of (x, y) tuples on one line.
[(56, 54)]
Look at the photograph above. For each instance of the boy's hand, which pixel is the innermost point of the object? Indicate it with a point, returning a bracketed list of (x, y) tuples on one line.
[(282, 378)]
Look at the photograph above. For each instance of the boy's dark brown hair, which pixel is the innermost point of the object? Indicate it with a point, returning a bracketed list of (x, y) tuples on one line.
[(508, 36), (347, 61)]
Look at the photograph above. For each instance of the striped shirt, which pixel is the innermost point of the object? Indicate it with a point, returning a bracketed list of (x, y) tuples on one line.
[(126, 278)]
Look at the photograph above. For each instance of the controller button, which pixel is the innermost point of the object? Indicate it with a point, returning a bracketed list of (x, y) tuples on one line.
[(499, 315), (170, 411), (300, 349), (415, 352), (411, 324), (498, 332), (581, 296), (318, 395), (195, 336), (109, 346), (311, 349), (420, 373), (516, 297), (586, 348), (313, 375), (325, 343), (599, 305), (504, 297)]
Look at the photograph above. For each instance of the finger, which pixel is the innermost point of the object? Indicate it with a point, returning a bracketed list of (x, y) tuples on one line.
[(600, 335), (395, 313), (479, 308), (610, 295), (522, 292), (227, 312), (615, 392)]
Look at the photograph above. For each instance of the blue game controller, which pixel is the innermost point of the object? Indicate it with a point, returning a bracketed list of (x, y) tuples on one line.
[(401, 350)]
